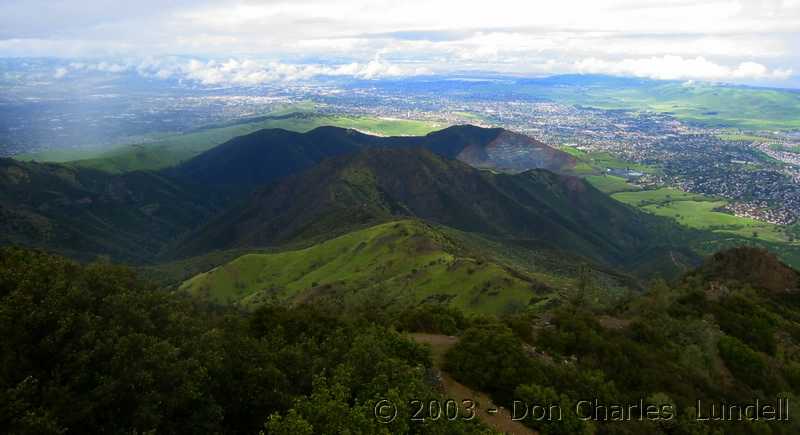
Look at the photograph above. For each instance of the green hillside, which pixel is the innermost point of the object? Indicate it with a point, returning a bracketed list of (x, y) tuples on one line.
[(691, 210), (399, 263)]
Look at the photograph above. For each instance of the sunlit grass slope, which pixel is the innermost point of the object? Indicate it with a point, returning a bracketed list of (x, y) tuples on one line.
[(402, 263)]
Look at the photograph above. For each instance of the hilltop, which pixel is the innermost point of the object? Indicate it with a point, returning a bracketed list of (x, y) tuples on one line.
[(751, 266), (393, 264)]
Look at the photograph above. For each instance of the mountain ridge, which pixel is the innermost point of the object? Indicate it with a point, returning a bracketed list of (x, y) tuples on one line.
[(267, 155)]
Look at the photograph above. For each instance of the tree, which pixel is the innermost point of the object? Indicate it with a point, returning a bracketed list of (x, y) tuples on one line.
[(565, 422)]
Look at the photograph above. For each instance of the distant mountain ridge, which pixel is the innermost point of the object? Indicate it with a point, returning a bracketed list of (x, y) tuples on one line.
[(268, 155)]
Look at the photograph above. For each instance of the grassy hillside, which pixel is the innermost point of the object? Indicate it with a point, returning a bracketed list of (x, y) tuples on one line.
[(173, 149), (402, 263)]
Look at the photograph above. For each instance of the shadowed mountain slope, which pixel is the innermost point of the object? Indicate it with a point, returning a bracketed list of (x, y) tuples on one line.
[(381, 183), (85, 213)]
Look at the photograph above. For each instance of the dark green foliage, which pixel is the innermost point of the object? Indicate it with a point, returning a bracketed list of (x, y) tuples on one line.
[(432, 318), (523, 326), (88, 349), (745, 363), (91, 349), (567, 422), (792, 375), (694, 340), (491, 358), (742, 318), (86, 213)]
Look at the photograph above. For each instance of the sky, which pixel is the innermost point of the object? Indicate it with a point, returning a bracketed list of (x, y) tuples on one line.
[(257, 41)]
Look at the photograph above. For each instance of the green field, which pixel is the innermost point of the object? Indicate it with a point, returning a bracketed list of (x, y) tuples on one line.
[(597, 163), (173, 149), (698, 211), (469, 116), (742, 137), (605, 160), (611, 184), (657, 196), (400, 263)]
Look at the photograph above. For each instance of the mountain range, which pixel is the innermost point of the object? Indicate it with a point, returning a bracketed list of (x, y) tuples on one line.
[(280, 190)]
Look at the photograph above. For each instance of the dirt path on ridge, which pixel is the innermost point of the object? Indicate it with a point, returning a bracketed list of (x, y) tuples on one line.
[(500, 420)]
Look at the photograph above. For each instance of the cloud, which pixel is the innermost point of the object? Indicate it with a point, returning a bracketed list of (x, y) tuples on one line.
[(250, 72), (254, 72), (677, 67), (315, 37), (239, 72), (60, 73)]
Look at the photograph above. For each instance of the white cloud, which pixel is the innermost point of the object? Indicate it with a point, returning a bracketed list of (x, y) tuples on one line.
[(729, 37), (250, 72), (60, 73), (677, 67)]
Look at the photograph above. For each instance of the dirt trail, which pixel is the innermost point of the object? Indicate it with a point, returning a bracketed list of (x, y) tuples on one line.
[(501, 420)]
